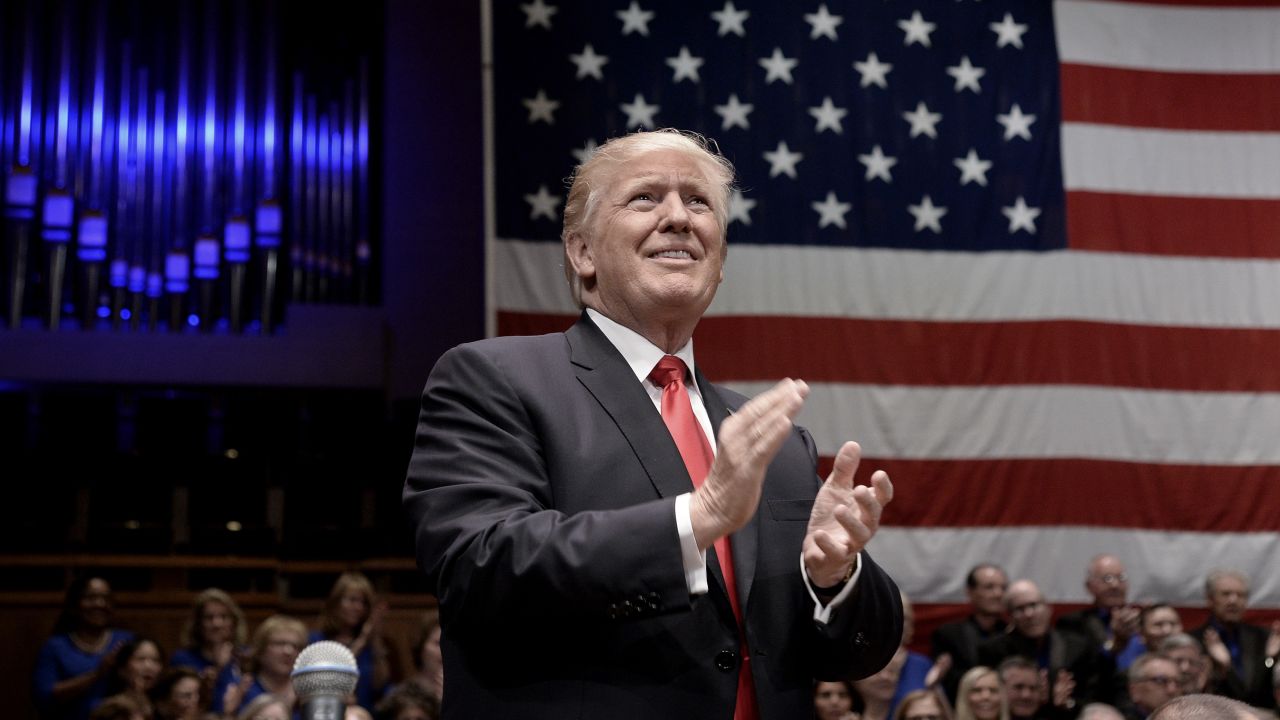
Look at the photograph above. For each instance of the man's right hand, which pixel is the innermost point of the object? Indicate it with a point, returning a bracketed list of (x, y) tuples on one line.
[(748, 441)]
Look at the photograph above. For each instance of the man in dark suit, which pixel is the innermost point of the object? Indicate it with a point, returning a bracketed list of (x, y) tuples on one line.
[(1111, 624), (985, 585), (1243, 655), (609, 534), (1067, 658)]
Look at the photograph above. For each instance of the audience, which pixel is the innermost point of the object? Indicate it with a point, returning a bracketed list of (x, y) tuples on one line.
[(176, 695), (71, 671), (266, 707), (1111, 623), (1153, 681), (136, 669), (1188, 654), (876, 692), (276, 644), (1204, 707), (411, 701), (1241, 653), (212, 638), (427, 664), (353, 616), (833, 701), (1157, 622), (980, 696), (923, 705), (918, 672), (118, 707), (957, 643)]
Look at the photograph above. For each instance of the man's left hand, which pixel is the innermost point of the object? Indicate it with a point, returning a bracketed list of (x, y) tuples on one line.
[(844, 519)]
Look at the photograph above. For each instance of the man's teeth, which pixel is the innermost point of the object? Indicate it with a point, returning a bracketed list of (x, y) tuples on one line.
[(676, 254)]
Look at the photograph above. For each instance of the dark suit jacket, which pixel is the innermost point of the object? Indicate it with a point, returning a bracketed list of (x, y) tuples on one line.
[(1253, 685), (960, 640), (541, 490), (1094, 673), (1088, 624)]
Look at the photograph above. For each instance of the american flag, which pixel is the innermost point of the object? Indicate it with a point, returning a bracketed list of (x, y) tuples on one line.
[(1024, 252)]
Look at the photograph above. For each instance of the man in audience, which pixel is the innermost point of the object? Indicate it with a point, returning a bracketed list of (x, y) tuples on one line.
[(1110, 624), (1203, 707), (1153, 681), (1242, 654), (1025, 689), (1193, 665), (985, 586), (1051, 650)]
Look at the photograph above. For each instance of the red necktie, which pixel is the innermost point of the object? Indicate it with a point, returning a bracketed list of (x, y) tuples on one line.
[(677, 412)]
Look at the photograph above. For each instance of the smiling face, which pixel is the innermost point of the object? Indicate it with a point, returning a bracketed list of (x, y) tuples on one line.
[(216, 623), (1159, 623), (652, 249), (353, 608), (95, 604), (984, 697), (1107, 581)]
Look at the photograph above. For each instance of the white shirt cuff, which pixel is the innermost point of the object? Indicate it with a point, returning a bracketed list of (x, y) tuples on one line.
[(695, 560), (822, 613)]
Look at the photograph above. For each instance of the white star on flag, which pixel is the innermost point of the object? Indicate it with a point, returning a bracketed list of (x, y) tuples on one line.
[(966, 75), (585, 152), (927, 215), (685, 65), (828, 116), (1016, 123), (635, 19), (541, 107), (538, 13), (823, 23), (831, 211), (734, 113), (873, 71), (740, 208), (1008, 32), (778, 67), (782, 161), (973, 168), (1021, 217), (878, 164), (639, 113), (917, 29), (922, 121), (589, 63), (542, 203), (731, 20)]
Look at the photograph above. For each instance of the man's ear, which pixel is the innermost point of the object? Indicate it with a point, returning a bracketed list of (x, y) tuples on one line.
[(578, 253)]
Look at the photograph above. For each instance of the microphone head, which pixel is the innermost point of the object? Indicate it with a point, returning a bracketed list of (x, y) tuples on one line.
[(324, 668)]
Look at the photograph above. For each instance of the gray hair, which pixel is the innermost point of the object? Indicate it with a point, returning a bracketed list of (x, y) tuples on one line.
[(1177, 641), (1222, 573), (591, 177), (1140, 664)]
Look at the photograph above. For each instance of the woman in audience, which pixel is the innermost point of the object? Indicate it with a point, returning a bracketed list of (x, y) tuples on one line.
[(276, 644), (833, 701), (428, 666), (980, 696), (409, 701), (117, 707), (72, 668), (176, 695), (212, 638), (353, 617), (923, 705), (877, 691), (137, 668), (265, 707)]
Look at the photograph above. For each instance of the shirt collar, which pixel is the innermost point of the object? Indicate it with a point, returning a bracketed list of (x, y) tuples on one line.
[(640, 354)]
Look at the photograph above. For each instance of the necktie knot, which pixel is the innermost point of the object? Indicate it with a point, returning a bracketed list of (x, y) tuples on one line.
[(670, 369)]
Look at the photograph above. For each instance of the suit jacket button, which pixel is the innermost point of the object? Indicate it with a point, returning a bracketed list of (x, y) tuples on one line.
[(860, 639), (726, 660)]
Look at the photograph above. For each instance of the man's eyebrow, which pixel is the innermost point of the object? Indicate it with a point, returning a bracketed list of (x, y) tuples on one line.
[(694, 183)]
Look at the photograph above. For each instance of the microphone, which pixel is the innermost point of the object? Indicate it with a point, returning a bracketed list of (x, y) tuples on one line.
[(323, 676)]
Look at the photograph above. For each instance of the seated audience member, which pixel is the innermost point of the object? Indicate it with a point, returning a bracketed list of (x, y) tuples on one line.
[(136, 669), (985, 586), (212, 639), (980, 696), (117, 707), (876, 692), (1157, 622), (1067, 658), (355, 712), (411, 701), (427, 664), (1111, 623), (1241, 653), (833, 701), (266, 707), (918, 672), (1153, 681), (176, 695), (353, 616), (73, 665), (1204, 707), (1027, 688), (1100, 711), (1194, 668), (273, 650), (924, 705)]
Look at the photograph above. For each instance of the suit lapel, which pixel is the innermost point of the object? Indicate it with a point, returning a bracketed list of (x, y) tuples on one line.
[(745, 541)]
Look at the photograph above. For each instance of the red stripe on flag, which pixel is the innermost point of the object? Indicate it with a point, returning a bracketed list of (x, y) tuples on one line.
[(1186, 226), (842, 350), (1064, 491), (1171, 100)]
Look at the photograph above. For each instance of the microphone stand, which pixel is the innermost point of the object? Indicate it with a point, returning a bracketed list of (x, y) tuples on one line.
[(20, 202)]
